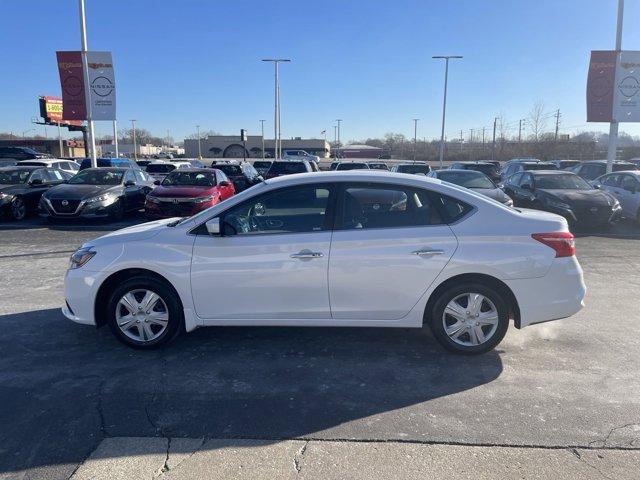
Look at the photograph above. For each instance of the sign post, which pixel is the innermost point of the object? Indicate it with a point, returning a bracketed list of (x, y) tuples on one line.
[(85, 75), (613, 126)]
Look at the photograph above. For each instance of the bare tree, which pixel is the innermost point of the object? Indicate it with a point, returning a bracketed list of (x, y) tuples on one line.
[(537, 120)]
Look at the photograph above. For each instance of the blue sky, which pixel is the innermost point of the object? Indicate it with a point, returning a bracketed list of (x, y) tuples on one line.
[(188, 62)]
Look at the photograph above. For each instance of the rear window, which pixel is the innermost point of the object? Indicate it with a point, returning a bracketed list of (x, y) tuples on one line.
[(285, 168), (231, 170), (539, 166), (618, 167), (160, 168), (486, 169), (353, 166), (414, 169)]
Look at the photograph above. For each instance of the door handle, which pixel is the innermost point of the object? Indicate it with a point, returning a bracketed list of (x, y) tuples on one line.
[(307, 254), (426, 252)]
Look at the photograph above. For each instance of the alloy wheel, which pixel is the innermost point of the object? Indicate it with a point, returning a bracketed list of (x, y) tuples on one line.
[(142, 315), (18, 209), (470, 319)]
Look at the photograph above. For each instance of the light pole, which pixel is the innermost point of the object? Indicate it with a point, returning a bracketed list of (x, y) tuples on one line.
[(335, 140), (444, 101), (135, 147), (262, 130), (276, 109), (199, 146), (415, 138), (24, 133), (339, 120), (87, 93), (613, 126)]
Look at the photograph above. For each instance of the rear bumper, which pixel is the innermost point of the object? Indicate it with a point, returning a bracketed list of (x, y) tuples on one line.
[(558, 294)]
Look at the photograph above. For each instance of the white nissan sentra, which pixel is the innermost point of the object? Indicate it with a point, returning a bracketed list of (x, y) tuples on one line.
[(353, 249)]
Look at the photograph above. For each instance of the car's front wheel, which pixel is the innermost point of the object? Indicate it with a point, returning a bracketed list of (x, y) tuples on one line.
[(470, 318), (144, 313), (18, 209)]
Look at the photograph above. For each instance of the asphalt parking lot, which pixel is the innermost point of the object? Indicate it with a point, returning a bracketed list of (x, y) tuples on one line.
[(74, 401)]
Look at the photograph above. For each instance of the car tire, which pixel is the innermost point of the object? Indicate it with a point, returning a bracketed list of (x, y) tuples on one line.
[(117, 211), (18, 209), (154, 324), (467, 328)]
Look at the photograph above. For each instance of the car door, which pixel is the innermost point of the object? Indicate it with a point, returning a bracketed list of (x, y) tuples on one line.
[(524, 191), (133, 198), (271, 260), (510, 186), (629, 196), (39, 182), (389, 244)]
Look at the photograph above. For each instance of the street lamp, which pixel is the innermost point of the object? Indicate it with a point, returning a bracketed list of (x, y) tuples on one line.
[(135, 147), (339, 120), (415, 138), (444, 102), (199, 147), (262, 130), (276, 110)]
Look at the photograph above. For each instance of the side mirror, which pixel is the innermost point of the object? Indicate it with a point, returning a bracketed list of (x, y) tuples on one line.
[(213, 226), (596, 186), (526, 186), (156, 182), (225, 184), (129, 183), (36, 181)]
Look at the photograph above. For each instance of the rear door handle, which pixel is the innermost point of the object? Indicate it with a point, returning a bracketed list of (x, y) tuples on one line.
[(426, 252), (307, 254)]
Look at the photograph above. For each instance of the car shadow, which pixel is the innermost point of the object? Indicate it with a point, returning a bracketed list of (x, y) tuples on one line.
[(627, 229), (65, 387), (73, 225)]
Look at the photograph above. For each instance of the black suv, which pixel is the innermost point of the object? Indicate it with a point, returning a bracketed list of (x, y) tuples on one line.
[(488, 168), (593, 169), (11, 155), (243, 175)]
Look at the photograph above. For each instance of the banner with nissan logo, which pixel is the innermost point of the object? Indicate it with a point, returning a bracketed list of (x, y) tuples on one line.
[(102, 86)]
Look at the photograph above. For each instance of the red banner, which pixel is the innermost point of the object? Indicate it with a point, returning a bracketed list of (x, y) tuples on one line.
[(72, 83), (600, 82)]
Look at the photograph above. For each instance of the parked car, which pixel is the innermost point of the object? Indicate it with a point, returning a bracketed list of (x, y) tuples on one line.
[(416, 168), (192, 161), (565, 164), (563, 193), (164, 155), (262, 166), (378, 166), (243, 175), (625, 186), (288, 167), (97, 193), (11, 155), (352, 166), (109, 162), (159, 169), (185, 192), (143, 163), (304, 252), (590, 170), (488, 168), (21, 188), (299, 155), (513, 167), (473, 180), (68, 166)]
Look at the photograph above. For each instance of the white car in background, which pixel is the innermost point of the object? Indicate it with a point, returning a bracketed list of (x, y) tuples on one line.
[(352, 249), (299, 155), (68, 166), (159, 169)]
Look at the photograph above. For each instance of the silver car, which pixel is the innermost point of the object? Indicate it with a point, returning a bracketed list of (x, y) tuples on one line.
[(473, 180), (625, 186)]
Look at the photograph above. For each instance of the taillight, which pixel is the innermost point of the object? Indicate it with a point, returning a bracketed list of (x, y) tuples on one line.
[(562, 242)]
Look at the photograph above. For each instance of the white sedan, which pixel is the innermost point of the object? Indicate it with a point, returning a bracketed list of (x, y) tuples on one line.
[(353, 249)]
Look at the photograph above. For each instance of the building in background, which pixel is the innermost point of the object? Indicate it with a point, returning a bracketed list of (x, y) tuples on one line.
[(230, 146)]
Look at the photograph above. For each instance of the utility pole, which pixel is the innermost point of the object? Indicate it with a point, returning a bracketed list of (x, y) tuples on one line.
[(335, 140), (415, 138), (339, 120), (262, 130), (444, 101), (557, 115), (276, 113), (135, 148), (613, 126), (493, 143), (199, 146), (483, 128), (115, 138), (87, 93), (461, 141)]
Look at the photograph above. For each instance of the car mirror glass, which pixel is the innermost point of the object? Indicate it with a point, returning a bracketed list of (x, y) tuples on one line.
[(156, 182), (36, 181)]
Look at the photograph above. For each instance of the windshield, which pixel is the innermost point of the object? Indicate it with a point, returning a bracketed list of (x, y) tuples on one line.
[(619, 167), (160, 168), (280, 168), (197, 179), (260, 164), (13, 177), (487, 169), (229, 170), (562, 182), (353, 166), (469, 179), (539, 166), (97, 177), (414, 168)]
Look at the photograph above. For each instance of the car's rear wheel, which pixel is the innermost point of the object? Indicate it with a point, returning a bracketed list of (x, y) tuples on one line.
[(18, 209), (470, 318), (144, 313)]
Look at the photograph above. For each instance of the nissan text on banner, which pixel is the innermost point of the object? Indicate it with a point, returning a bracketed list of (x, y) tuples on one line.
[(72, 85), (102, 86), (613, 86)]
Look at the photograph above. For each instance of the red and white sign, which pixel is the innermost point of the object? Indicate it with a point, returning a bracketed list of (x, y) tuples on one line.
[(72, 83)]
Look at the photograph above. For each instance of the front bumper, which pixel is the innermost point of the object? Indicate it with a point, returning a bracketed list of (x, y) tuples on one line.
[(84, 210), (170, 210), (587, 217), (80, 289)]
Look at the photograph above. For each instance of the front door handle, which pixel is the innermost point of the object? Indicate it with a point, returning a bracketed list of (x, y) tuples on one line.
[(426, 252), (307, 254)]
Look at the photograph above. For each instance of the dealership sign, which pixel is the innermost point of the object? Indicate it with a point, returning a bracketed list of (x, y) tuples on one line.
[(613, 87), (102, 87)]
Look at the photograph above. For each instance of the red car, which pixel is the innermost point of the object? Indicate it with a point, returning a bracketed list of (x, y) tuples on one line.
[(186, 192)]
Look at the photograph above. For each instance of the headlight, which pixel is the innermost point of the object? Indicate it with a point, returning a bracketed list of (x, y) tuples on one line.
[(203, 199), (615, 205), (152, 199), (558, 204), (5, 197), (80, 257), (100, 198)]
